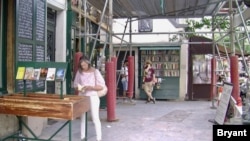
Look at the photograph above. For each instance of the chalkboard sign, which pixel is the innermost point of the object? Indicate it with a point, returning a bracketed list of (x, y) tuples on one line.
[(40, 20), (40, 85), (20, 85), (25, 19), (25, 52), (40, 53), (30, 37)]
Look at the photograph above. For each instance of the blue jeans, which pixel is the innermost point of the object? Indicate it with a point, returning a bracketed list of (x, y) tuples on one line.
[(125, 85)]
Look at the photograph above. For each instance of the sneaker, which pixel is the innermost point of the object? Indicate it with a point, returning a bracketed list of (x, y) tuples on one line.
[(125, 101), (153, 100), (132, 101)]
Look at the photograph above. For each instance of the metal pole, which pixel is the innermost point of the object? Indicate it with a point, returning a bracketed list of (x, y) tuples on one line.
[(98, 30), (231, 27), (130, 37), (85, 26), (243, 21), (110, 28), (122, 37), (79, 22), (158, 33)]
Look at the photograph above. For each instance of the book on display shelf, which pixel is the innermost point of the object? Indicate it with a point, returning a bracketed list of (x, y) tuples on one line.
[(51, 74), (29, 73), (20, 73), (43, 73), (60, 74), (37, 73)]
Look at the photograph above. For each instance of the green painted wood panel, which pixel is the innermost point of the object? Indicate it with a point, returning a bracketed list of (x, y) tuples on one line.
[(30, 37)]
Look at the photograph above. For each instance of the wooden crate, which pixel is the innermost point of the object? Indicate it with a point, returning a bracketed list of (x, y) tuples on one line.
[(44, 105)]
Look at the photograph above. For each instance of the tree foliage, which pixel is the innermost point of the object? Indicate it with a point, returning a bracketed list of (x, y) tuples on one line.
[(220, 24)]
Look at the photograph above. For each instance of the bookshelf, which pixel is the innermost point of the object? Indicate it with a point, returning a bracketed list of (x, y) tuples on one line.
[(166, 63)]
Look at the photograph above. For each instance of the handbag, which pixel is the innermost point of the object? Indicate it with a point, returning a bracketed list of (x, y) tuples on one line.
[(102, 92)]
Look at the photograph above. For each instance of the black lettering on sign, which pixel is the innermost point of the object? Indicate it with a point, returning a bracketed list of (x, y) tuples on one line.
[(40, 20), (25, 52), (25, 19)]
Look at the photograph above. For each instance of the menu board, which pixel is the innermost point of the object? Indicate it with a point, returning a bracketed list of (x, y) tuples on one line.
[(20, 85), (24, 52), (30, 38), (40, 53), (40, 20), (25, 19)]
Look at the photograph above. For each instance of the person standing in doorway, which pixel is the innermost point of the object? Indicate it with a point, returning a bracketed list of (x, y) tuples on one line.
[(91, 81), (124, 80), (149, 80)]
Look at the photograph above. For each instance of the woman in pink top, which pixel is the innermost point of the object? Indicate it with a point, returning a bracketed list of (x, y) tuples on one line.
[(92, 81)]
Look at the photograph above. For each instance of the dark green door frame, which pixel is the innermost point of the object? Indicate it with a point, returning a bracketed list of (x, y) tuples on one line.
[(69, 48), (3, 46)]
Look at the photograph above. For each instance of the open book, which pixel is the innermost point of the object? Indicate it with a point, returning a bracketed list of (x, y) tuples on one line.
[(80, 88)]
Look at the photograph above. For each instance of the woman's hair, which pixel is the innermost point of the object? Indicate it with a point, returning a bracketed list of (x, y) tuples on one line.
[(148, 62), (85, 59)]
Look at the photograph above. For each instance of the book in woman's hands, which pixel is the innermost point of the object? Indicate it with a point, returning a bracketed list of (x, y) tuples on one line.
[(80, 88)]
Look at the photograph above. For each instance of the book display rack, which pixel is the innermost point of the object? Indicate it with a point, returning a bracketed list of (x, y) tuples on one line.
[(40, 71), (53, 106), (166, 63)]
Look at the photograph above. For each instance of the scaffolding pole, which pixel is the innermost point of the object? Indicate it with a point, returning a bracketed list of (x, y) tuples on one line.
[(98, 30)]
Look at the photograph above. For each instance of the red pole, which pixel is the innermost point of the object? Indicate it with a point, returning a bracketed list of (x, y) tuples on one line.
[(114, 59), (77, 57), (111, 97), (131, 76), (235, 79)]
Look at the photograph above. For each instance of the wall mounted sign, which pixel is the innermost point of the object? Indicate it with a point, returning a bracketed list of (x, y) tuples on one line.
[(145, 25)]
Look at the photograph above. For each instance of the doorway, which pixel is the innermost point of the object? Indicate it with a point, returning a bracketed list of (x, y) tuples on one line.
[(123, 55), (50, 56)]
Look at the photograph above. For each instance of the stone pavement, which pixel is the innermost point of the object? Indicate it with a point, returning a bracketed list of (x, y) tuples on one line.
[(163, 121)]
